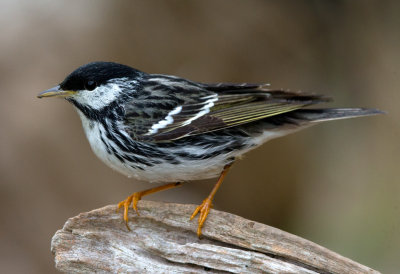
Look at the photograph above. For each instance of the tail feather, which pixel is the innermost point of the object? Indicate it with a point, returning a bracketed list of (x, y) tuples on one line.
[(319, 115)]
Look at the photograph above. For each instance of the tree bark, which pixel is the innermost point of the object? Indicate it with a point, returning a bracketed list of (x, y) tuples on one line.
[(162, 240)]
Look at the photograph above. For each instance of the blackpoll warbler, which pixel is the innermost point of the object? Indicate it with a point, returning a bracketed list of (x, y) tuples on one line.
[(165, 129)]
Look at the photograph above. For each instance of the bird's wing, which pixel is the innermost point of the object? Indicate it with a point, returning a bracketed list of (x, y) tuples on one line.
[(174, 110)]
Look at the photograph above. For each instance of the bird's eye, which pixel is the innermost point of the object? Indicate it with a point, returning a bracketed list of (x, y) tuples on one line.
[(90, 85)]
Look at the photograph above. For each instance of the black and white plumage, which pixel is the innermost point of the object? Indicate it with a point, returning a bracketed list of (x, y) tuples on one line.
[(161, 128)]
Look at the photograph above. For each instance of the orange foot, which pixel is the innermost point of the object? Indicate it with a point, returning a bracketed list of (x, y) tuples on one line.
[(134, 199), (206, 205), (137, 196), (204, 209)]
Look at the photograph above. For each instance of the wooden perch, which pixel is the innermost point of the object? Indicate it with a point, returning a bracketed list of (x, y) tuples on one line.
[(162, 240)]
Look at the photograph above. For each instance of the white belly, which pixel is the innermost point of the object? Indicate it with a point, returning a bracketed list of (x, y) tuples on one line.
[(164, 172), (167, 172)]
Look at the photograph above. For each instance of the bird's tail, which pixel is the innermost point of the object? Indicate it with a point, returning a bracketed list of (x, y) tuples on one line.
[(326, 114)]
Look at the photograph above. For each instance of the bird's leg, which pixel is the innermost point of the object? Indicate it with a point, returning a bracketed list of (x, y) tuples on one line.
[(135, 197), (206, 205)]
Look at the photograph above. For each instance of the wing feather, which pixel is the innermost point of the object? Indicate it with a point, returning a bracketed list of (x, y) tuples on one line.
[(199, 108)]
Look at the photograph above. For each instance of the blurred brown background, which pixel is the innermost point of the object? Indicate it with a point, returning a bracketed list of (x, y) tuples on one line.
[(336, 184)]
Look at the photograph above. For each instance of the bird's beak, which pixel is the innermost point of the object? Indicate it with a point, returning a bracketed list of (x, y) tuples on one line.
[(56, 92)]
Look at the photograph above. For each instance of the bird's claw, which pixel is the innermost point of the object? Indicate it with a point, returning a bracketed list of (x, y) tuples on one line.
[(204, 209), (132, 199)]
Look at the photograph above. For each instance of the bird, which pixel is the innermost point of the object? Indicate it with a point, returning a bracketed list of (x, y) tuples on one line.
[(166, 129)]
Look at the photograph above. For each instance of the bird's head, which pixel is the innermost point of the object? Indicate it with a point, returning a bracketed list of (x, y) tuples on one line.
[(96, 85)]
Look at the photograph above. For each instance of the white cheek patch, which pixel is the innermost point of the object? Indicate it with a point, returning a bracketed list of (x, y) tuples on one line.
[(104, 94), (100, 96), (167, 121)]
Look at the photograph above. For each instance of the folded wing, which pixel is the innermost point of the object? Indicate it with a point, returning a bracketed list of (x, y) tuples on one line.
[(200, 109)]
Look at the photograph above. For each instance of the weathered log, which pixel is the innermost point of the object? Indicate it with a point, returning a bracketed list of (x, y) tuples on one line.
[(162, 240)]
